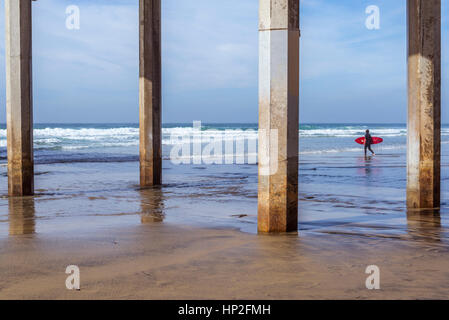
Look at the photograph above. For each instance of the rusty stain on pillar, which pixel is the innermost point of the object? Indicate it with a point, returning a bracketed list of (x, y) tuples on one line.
[(19, 97), (424, 103), (278, 115), (150, 95)]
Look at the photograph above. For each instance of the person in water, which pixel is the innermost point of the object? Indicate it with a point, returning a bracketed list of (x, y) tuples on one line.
[(368, 142)]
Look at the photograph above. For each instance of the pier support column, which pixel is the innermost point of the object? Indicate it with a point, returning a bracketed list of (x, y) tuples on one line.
[(19, 98), (150, 94), (278, 115), (424, 103)]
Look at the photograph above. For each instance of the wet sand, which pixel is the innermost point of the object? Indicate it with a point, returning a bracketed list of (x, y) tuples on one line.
[(157, 261), (195, 238)]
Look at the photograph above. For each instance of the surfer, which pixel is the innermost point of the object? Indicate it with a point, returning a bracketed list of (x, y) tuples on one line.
[(368, 142)]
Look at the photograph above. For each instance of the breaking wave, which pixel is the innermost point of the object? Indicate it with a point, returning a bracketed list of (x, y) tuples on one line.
[(52, 140)]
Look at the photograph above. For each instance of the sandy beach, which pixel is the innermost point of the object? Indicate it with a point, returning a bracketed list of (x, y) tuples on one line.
[(168, 262), (195, 238)]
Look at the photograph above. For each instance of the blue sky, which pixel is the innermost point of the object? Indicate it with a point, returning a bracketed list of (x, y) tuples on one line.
[(210, 61)]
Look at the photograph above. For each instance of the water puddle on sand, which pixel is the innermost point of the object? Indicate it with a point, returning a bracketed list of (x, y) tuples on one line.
[(341, 193)]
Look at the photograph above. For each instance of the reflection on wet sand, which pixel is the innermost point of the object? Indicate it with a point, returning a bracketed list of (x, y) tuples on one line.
[(21, 215), (366, 166), (152, 205), (424, 224)]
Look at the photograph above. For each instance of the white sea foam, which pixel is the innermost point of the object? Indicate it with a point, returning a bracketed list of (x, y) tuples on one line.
[(84, 138), (351, 132), (337, 150)]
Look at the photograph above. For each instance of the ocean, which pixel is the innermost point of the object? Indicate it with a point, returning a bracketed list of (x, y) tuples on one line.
[(56, 143), (87, 177)]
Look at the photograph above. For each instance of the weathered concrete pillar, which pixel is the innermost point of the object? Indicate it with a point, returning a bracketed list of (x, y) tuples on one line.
[(278, 115), (150, 95), (19, 98), (424, 103)]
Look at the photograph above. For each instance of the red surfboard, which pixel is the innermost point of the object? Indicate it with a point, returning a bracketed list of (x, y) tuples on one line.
[(375, 140)]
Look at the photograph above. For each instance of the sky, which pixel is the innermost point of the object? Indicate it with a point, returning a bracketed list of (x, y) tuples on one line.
[(348, 74)]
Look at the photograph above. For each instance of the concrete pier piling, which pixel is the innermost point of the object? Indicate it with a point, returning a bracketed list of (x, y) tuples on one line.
[(150, 96), (19, 97), (278, 115), (278, 105), (424, 103)]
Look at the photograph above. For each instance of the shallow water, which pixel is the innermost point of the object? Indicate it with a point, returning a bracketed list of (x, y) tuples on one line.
[(339, 193), (56, 143)]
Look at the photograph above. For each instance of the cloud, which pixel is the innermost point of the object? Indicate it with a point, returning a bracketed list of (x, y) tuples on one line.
[(335, 42), (211, 44), (210, 61)]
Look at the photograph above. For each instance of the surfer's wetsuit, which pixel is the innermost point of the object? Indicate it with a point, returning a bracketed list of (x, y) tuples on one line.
[(368, 142)]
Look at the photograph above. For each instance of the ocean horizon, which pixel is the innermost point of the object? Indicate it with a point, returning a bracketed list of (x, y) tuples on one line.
[(119, 142)]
